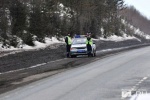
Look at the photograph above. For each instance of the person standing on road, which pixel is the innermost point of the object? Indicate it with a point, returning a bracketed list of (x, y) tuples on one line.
[(68, 44), (89, 43)]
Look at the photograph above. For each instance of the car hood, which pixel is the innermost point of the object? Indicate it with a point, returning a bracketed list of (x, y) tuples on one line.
[(78, 45)]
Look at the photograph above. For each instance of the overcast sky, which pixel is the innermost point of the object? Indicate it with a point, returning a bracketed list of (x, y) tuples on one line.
[(142, 5)]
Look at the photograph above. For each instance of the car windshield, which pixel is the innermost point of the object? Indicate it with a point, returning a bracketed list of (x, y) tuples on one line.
[(79, 41)]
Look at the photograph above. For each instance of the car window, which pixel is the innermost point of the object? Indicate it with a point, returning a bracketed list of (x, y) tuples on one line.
[(79, 41)]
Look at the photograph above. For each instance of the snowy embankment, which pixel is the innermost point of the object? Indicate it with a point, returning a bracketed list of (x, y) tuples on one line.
[(38, 45), (141, 97), (119, 38), (23, 47), (54, 40)]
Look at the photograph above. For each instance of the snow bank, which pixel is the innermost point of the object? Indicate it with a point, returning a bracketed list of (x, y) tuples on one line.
[(38, 45), (118, 38), (141, 97)]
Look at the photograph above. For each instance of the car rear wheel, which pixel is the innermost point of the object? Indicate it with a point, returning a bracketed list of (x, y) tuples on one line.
[(95, 54)]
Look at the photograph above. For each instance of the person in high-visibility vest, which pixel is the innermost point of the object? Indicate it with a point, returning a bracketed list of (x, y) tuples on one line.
[(89, 43), (68, 44)]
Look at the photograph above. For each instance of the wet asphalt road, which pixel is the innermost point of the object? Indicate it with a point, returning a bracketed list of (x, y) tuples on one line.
[(100, 80), (50, 60), (54, 52)]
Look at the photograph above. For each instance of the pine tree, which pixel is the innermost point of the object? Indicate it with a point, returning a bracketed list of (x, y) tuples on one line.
[(18, 14)]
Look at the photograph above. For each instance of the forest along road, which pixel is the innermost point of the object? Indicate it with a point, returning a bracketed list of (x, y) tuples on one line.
[(100, 80)]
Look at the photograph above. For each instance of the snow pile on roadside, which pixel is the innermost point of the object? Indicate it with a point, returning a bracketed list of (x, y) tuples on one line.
[(141, 97), (119, 38), (38, 45), (48, 42)]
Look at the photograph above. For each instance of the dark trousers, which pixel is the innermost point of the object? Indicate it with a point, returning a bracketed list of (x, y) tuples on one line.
[(89, 49), (68, 50)]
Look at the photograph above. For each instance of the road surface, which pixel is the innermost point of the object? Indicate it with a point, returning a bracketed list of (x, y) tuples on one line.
[(103, 79)]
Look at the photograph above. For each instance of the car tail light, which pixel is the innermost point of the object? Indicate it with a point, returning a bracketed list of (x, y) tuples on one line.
[(72, 48)]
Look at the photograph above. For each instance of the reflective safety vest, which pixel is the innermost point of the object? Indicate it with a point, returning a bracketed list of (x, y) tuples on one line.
[(89, 42), (69, 40)]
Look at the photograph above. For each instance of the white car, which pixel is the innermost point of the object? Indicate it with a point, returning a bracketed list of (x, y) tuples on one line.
[(78, 47)]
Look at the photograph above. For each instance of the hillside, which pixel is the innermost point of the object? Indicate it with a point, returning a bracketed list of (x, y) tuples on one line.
[(135, 18), (25, 22)]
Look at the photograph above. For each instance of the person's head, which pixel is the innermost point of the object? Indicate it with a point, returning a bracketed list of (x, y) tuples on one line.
[(68, 34), (88, 34)]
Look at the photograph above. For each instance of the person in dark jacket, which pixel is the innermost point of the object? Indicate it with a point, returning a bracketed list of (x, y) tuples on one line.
[(68, 44)]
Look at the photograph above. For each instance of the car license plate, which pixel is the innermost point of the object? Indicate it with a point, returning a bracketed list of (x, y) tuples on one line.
[(80, 51)]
